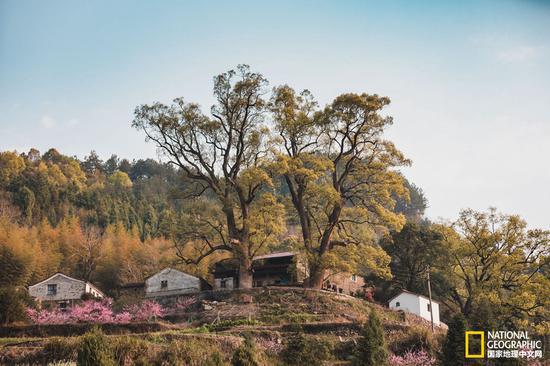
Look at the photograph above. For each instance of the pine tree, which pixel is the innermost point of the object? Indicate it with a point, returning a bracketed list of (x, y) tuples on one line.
[(453, 349), (371, 349)]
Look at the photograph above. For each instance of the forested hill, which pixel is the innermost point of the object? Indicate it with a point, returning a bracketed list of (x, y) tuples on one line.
[(139, 194), (53, 186), (105, 221)]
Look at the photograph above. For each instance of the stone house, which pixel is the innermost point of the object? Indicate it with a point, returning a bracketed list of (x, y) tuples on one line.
[(171, 282), (282, 269), (416, 304), (345, 283), (276, 269), (63, 290)]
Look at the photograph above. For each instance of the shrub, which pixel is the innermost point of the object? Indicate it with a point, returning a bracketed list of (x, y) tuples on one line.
[(417, 339), (183, 304), (145, 311), (85, 312), (92, 311), (131, 351), (453, 347), (58, 349), (97, 312), (226, 324), (214, 360), (171, 355), (420, 358), (94, 350), (47, 316), (302, 351), (245, 354), (189, 353), (344, 350), (371, 348)]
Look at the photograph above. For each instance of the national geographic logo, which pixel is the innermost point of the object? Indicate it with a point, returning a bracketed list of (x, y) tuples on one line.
[(475, 334), (501, 344)]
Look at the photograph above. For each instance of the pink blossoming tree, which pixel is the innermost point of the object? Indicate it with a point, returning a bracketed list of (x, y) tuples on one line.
[(97, 312)]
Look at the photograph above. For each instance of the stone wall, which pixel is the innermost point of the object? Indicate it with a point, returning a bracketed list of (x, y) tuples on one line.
[(67, 289), (176, 283), (345, 283)]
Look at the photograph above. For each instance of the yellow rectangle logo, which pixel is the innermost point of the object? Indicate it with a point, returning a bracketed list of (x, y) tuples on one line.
[(467, 348)]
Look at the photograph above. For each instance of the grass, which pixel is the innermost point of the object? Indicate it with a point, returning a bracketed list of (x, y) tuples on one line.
[(6, 341), (266, 318)]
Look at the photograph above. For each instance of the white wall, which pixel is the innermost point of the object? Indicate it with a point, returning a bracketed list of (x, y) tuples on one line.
[(178, 283), (93, 291), (415, 304), (407, 302), (424, 310)]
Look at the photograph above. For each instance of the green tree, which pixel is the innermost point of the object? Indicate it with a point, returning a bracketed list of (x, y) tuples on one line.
[(413, 250), (495, 258), (120, 181), (26, 201), (92, 164), (340, 173), (224, 155), (371, 349), (111, 165), (412, 207), (453, 352), (11, 165), (12, 305)]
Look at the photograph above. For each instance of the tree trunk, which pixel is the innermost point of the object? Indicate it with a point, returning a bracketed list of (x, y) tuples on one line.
[(316, 278), (245, 277), (245, 270)]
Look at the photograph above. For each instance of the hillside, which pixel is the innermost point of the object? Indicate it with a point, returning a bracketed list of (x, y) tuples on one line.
[(219, 321)]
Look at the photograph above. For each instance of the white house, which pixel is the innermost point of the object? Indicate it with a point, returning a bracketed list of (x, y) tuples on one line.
[(169, 282), (416, 304), (63, 290)]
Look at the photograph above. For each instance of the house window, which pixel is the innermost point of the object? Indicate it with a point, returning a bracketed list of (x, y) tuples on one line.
[(397, 304), (354, 278), (63, 306), (223, 283), (164, 284), (429, 308), (52, 289)]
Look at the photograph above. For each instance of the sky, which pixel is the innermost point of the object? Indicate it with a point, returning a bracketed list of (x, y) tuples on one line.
[(469, 80)]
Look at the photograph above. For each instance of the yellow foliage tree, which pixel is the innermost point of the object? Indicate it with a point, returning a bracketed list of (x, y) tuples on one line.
[(340, 174)]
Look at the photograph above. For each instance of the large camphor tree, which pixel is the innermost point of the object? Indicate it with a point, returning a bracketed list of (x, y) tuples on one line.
[(341, 176), (224, 154), (496, 259)]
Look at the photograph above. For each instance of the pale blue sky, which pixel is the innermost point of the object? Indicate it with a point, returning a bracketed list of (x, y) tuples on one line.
[(469, 80)]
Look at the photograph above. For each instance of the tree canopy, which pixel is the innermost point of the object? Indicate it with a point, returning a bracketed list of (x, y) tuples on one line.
[(340, 174), (225, 155)]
